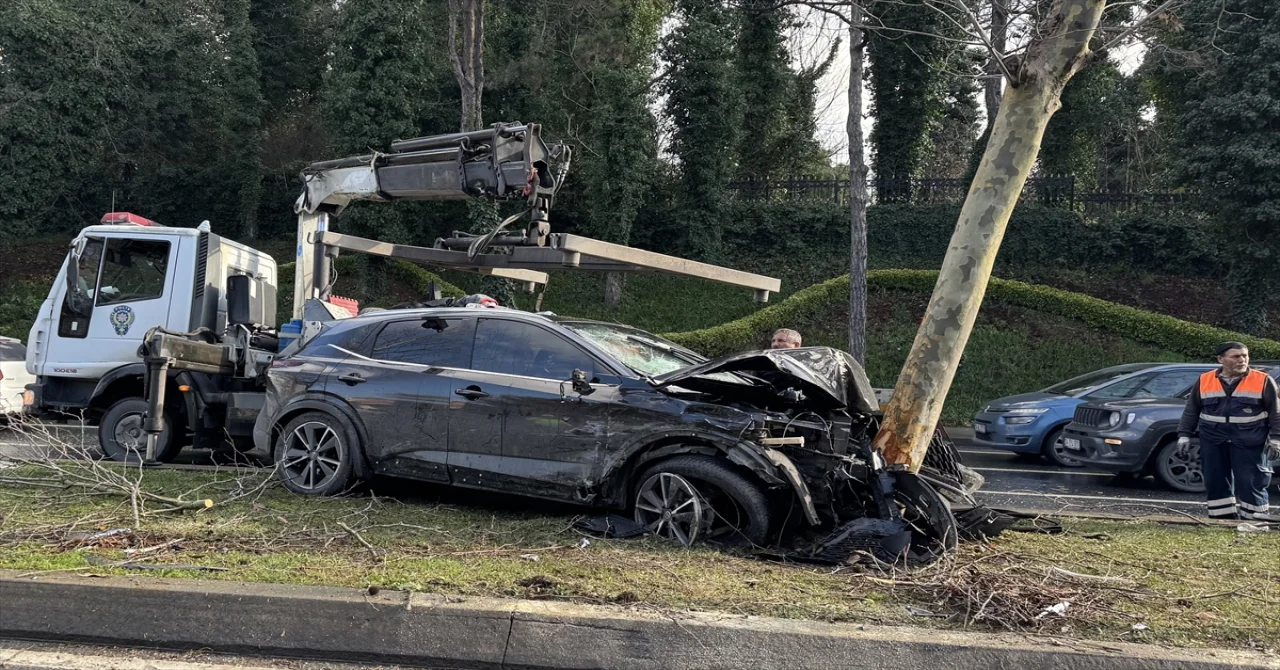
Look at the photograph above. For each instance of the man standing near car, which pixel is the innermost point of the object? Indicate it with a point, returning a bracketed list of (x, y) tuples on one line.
[(1234, 409), (785, 338)]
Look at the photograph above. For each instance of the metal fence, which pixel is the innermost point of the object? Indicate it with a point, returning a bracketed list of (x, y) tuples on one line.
[(1052, 191)]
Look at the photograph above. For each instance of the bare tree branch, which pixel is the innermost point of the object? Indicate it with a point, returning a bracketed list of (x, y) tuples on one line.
[(1138, 25)]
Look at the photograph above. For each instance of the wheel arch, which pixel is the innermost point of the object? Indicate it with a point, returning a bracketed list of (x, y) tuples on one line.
[(334, 407)]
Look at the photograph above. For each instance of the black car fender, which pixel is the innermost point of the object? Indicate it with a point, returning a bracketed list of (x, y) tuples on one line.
[(338, 409), (1155, 436)]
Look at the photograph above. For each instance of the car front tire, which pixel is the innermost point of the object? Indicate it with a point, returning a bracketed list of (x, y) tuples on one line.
[(1180, 473), (1055, 453), (731, 507)]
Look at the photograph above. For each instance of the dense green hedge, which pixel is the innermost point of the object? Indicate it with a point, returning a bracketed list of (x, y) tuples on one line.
[(801, 234), (1184, 337)]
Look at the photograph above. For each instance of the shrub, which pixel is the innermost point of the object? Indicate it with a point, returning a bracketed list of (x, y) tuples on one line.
[(1184, 337)]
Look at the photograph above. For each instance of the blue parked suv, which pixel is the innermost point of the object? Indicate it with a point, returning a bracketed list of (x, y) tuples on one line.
[(1032, 423)]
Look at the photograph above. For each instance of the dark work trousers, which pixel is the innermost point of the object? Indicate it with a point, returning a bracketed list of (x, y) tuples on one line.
[(1235, 479)]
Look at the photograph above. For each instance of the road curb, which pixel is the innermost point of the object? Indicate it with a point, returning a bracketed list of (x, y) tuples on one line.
[(424, 629)]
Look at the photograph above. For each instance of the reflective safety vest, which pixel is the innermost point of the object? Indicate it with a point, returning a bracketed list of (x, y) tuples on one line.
[(1239, 417)]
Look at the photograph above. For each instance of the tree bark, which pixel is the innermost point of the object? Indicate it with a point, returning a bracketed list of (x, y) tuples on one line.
[(1053, 57), (857, 191), (613, 290), (993, 89), (466, 54)]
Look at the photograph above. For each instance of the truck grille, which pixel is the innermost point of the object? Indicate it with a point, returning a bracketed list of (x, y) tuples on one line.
[(1092, 416)]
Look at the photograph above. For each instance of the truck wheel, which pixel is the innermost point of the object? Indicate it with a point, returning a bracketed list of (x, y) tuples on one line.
[(688, 498), (314, 455), (122, 439), (1180, 473)]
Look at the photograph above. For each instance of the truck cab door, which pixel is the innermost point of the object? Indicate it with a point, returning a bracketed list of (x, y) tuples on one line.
[(117, 288)]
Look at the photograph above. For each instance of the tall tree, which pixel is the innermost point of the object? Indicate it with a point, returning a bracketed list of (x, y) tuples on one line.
[(1058, 48), (389, 80), (765, 80), (152, 107), (244, 115), (1217, 83), (586, 68), (705, 108), (909, 60)]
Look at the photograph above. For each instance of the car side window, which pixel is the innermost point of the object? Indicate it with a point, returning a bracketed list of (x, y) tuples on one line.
[(1167, 384), (430, 341), (515, 348), (1121, 389)]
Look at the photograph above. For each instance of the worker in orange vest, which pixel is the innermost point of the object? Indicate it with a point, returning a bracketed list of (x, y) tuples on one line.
[(1234, 409)]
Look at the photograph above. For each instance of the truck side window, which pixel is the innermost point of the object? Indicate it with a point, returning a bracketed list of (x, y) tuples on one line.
[(74, 322), (133, 270)]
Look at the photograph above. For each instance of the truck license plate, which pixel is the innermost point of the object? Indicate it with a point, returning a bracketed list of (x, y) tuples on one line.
[(1071, 443)]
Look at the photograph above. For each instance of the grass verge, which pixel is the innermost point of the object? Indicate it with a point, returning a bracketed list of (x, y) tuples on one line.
[(1169, 579)]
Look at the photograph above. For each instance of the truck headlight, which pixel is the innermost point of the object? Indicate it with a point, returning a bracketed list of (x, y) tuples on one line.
[(1114, 419)]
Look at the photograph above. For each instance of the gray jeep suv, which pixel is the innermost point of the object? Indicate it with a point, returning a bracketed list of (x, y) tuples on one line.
[(1138, 436)]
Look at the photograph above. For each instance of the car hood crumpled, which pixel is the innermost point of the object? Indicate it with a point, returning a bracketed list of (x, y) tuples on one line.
[(829, 378)]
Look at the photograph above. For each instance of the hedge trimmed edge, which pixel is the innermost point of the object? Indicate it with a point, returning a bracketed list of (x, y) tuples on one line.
[(1195, 340)]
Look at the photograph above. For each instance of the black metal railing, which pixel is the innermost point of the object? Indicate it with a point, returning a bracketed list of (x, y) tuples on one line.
[(1051, 191)]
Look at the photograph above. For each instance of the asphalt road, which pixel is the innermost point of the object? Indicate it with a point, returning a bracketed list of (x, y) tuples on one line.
[(1011, 481)]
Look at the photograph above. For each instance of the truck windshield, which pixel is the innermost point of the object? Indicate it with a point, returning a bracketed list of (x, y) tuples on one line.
[(643, 352)]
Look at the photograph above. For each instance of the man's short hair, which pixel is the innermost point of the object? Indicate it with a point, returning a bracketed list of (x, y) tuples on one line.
[(1228, 346), (789, 334)]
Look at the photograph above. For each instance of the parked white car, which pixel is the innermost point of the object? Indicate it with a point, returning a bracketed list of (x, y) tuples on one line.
[(13, 375)]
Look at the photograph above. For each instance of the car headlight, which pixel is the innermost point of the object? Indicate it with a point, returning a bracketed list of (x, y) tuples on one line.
[(1023, 411), (1114, 419), (1019, 420), (1132, 416)]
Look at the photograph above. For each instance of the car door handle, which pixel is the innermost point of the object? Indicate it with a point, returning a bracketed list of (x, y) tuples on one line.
[(471, 393), (352, 379)]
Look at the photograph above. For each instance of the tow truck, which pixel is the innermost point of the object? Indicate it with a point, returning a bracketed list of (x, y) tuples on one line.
[(162, 335)]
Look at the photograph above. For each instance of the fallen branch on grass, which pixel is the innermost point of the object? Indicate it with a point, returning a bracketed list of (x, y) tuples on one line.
[(1060, 572), (372, 549)]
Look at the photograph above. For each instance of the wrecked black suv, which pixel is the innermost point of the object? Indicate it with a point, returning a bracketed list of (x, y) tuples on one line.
[(753, 447)]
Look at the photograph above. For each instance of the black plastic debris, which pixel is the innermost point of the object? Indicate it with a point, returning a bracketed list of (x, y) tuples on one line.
[(609, 525), (885, 540)]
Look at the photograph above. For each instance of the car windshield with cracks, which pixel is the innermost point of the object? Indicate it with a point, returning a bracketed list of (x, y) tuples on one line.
[(764, 449)]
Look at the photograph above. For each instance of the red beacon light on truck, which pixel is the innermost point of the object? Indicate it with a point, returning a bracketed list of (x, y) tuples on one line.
[(127, 219)]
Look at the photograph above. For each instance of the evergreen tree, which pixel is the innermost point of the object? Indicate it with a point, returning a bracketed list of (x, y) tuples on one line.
[(1217, 88), (705, 109)]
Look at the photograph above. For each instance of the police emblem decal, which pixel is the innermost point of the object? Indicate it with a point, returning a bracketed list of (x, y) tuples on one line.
[(121, 319)]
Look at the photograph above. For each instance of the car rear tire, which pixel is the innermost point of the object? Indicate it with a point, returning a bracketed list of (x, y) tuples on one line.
[(1180, 473), (689, 498), (1055, 453), (122, 439), (314, 455)]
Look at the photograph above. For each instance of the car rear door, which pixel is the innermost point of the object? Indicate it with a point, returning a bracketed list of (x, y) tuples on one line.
[(399, 389)]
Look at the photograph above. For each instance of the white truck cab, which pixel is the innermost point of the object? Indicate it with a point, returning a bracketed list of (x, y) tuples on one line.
[(118, 281)]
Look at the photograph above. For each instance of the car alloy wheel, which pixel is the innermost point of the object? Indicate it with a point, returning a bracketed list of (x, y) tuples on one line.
[(312, 456), (671, 507), (1180, 472), (1056, 451)]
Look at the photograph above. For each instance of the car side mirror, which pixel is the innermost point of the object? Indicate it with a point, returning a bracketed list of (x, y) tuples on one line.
[(580, 384)]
